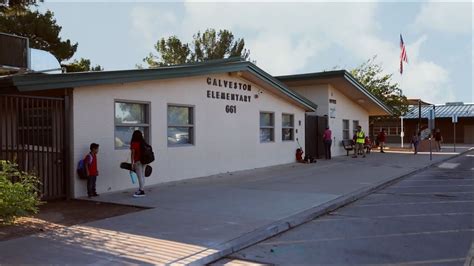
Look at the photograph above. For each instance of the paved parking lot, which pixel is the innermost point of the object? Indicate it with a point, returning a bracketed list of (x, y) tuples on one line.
[(426, 219)]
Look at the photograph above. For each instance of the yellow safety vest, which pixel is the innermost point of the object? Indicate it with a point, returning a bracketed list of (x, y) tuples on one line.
[(360, 137)]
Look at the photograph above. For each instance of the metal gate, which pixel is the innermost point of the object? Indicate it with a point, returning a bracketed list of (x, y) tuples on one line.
[(314, 130), (32, 135)]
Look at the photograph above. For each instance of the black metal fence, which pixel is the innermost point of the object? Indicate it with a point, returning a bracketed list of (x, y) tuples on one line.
[(32, 135)]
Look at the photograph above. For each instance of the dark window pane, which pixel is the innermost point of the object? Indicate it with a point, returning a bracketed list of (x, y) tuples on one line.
[(179, 115), (130, 113), (123, 135), (287, 134), (179, 135), (266, 119), (266, 134)]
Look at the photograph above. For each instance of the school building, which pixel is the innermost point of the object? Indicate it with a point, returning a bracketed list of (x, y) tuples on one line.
[(201, 119)]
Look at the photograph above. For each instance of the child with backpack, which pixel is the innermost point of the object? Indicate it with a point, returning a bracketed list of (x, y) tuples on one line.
[(141, 155), (90, 166)]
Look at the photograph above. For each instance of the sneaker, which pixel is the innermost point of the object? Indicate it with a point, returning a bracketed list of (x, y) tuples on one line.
[(139, 193), (95, 195)]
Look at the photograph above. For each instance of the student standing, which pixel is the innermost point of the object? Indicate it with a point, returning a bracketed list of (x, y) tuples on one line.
[(327, 139), (382, 136), (92, 170), (136, 145)]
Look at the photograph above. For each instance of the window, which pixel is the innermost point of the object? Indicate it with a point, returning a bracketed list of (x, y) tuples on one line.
[(180, 125), (130, 116), (345, 129), (355, 124), (267, 126), (287, 127), (392, 131)]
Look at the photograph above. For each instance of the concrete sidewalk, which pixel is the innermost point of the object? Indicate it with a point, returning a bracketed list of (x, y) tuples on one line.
[(198, 221)]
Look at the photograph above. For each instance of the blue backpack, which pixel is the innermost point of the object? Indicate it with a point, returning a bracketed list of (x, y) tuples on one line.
[(81, 168)]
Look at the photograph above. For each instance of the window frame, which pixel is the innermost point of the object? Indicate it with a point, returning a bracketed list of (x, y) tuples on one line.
[(348, 130), (292, 127), (147, 125), (192, 126), (267, 127)]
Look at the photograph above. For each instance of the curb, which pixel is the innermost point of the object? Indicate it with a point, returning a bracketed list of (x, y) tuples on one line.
[(305, 216)]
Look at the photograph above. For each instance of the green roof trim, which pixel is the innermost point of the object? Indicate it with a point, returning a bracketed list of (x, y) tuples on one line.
[(337, 74), (37, 82)]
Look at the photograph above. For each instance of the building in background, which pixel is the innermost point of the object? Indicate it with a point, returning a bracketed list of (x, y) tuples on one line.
[(418, 115)]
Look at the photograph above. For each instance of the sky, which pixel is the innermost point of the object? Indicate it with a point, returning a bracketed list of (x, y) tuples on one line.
[(291, 37)]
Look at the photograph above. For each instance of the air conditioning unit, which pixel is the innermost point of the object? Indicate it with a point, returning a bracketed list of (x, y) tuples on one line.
[(17, 57), (14, 52)]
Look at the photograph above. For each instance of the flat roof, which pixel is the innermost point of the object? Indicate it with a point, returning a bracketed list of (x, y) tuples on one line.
[(32, 82)]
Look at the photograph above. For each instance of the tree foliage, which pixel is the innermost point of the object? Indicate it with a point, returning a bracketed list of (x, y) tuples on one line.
[(41, 29), (19, 194), (171, 52), (81, 66), (43, 32), (370, 74), (205, 46)]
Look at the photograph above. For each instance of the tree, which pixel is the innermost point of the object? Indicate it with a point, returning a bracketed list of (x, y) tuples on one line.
[(171, 51), (42, 31), (211, 45), (81, 66), (370, 74), (205, 46)]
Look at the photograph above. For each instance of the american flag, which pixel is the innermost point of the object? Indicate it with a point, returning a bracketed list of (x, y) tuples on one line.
[(403, 54)]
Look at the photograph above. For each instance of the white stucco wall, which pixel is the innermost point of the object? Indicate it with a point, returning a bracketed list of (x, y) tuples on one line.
[(318, 94), (345, 108), (223, 142)]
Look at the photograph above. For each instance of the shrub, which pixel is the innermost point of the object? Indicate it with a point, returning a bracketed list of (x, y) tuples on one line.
[(19, 194)]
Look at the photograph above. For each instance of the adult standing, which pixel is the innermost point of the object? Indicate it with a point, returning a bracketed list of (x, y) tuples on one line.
[(415, 140), (438, 139), (382, 137), (327, 139), (136, 145), (359, 142)]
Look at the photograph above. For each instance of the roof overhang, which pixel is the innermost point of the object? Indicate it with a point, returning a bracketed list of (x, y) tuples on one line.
[(344, 82), (39, 82)]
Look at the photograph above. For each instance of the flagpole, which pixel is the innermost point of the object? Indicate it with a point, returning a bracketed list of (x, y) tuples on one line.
[(402, 133), (403, 57)]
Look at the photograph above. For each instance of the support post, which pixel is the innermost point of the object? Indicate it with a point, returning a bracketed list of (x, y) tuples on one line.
[(402, 133), (455, 137), (419, 115)]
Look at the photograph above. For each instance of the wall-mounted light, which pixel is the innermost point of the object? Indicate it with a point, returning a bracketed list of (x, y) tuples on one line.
[(361, 101)]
